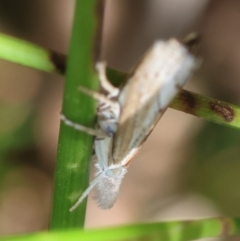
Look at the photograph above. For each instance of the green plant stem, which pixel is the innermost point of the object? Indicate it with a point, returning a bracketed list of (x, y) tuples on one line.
[(75, 148), (166, 231), (33, 56)]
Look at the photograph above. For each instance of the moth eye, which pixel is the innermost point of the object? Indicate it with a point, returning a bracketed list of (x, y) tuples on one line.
[(110, 131)]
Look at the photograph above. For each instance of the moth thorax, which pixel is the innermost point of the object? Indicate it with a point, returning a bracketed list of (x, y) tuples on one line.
[(107, 188)]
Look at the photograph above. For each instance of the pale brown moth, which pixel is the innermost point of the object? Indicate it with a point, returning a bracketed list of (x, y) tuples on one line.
[(130, 114)]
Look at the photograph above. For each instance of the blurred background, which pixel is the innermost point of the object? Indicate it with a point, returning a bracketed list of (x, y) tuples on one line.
[(188, 168)]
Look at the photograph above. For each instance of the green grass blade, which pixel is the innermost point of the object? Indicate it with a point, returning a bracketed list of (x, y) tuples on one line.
[(30, 55), (165, 231), (75, 148)]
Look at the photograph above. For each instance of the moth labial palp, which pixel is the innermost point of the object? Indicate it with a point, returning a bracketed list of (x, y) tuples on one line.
[(129, 115)]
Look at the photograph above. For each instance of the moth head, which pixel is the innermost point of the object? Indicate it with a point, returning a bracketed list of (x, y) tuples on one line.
[(107, 188), (115, 172)]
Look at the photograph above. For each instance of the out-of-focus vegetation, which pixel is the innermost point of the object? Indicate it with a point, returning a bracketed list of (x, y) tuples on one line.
[(187, 169)]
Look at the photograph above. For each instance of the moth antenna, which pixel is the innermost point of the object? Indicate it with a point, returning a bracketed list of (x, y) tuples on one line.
[(87, 191), (82, 128), (105, 83)]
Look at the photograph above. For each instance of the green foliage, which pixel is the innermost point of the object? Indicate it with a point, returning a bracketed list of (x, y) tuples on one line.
[(166, 231), (75, 148)]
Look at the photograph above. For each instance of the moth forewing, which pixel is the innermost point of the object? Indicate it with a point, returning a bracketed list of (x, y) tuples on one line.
[(145, 97)]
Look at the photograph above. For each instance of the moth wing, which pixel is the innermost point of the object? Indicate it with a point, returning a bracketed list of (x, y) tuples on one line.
[(145, 97)]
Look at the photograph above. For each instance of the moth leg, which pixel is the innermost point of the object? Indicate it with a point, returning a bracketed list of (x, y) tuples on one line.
[(97, 96), (76, 126), (105, 106), (87, 191), (105, 83)]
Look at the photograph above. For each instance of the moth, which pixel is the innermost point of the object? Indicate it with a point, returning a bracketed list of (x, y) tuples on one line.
[(128, 115)]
